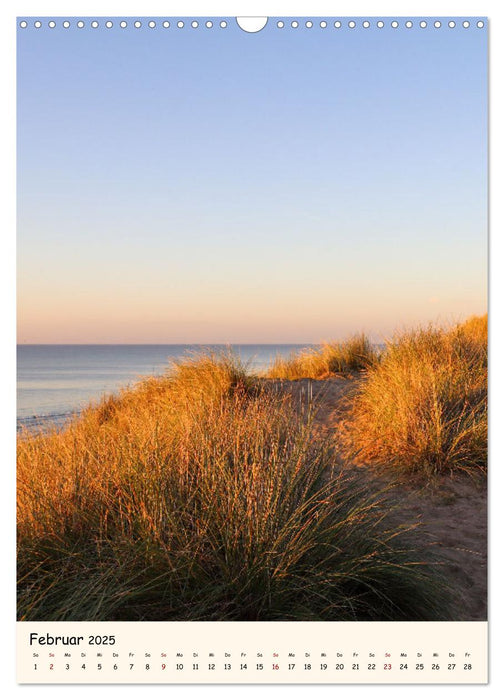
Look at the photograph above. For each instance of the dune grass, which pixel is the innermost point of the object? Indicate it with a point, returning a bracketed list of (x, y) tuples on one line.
[(423, 408), (356, 353), (204, 495)]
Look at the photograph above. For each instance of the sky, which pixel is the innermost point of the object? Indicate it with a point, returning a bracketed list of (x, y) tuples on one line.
[(210, 185)]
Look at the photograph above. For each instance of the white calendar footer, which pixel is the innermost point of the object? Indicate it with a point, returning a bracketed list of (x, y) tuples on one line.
[(252, 652)]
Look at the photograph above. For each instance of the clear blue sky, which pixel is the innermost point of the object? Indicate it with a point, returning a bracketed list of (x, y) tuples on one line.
[(209, 185)]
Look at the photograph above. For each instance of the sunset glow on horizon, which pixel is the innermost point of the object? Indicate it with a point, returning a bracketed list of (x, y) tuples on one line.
[(224, 187)]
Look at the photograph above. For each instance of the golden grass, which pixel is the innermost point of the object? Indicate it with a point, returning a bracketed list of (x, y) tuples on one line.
[(203, 495), (423, 407), (356, 353)]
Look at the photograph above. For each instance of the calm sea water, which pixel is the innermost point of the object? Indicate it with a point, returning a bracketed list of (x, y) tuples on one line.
[(54, 381)]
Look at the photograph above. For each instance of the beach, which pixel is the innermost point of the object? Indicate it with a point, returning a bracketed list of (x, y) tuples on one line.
[(342, 482)]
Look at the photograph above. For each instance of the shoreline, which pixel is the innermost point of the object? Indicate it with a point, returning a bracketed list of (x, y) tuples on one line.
[(451, 511), (227, 495), (61, 380)]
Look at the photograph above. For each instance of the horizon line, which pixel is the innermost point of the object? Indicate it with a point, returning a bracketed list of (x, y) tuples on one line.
[(202, 344)]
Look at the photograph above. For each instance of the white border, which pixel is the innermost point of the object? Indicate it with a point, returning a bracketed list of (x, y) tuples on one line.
[(9, 11)]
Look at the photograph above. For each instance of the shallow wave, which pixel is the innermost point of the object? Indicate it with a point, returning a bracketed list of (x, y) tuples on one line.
[(44, 422)]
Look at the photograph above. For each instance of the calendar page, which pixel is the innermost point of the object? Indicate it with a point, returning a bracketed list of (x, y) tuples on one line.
[(252, 349)]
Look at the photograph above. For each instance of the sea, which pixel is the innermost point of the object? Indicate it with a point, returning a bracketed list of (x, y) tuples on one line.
[(55, 382)]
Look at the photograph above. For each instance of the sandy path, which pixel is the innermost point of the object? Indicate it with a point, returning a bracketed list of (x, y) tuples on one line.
[(452, 511)]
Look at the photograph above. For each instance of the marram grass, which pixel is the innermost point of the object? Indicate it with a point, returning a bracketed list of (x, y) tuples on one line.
[(356, 353), (422, 408), (204, 496)]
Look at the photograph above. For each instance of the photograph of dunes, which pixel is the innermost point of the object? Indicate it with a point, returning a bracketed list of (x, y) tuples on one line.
[(252, 322)]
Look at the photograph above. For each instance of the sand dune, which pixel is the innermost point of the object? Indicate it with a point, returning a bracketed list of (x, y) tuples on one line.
[(451, 510)]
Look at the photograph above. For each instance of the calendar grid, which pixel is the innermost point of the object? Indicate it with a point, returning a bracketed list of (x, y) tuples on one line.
[(271, 652)]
